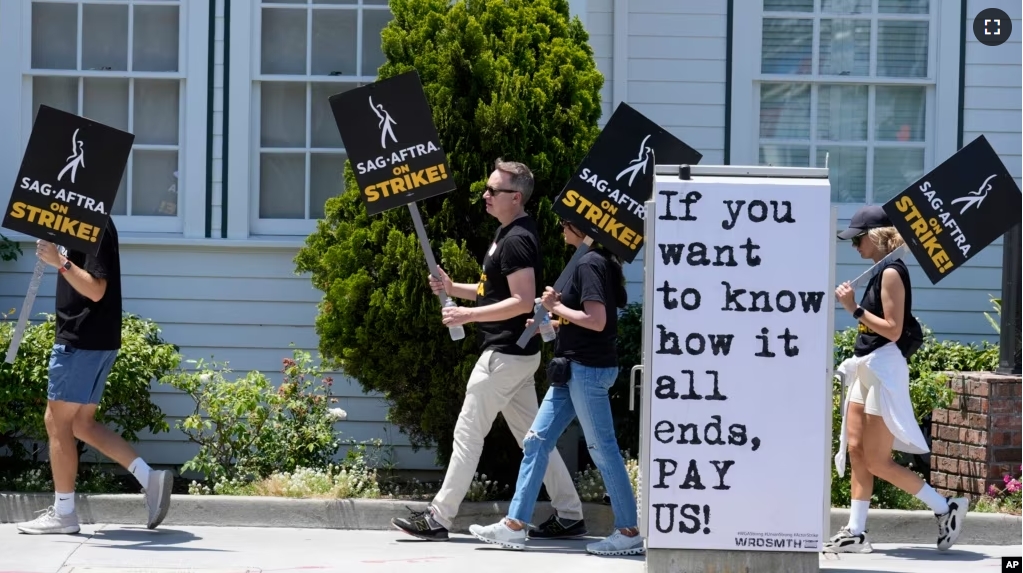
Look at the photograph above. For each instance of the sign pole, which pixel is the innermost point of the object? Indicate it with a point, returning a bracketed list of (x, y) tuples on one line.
[(899, 252), (26, 308), (559, 285), (424, 241)]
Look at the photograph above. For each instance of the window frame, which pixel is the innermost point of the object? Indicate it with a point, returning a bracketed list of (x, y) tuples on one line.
[(942, 82), (246, 171), (243, 114), (16, 75)]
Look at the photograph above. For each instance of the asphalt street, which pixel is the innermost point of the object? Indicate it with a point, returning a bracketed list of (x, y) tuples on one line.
[(120, 549)]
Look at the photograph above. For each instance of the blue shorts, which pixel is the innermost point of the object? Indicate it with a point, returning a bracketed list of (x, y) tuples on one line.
[(79, 376)]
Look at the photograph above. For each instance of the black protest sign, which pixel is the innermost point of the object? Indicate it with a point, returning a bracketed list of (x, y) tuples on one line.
[(605, 197), (388, 132), (68, 180), (958, 208)]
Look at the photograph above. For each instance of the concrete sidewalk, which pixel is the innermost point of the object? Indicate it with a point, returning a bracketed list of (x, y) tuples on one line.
[(112, 548), (886, 526)]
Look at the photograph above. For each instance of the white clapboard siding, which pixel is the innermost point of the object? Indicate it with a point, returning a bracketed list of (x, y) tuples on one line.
[(243, 306), (992, 95)]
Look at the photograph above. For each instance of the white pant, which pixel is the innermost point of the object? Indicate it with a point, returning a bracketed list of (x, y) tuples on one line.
[(499, 383)]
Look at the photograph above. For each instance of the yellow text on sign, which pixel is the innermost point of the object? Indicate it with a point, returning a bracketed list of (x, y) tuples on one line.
[(602, 218), (55, 219), (926, 232), (405, 180)]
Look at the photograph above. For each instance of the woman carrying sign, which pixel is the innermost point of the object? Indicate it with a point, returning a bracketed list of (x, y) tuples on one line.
[(584, 368), (878, 414)]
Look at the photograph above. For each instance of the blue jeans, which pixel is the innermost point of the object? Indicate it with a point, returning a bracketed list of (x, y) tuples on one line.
[(585, 396)]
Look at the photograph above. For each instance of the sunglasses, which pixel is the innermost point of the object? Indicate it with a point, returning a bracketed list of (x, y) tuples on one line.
[(495, 192), (856, 240)]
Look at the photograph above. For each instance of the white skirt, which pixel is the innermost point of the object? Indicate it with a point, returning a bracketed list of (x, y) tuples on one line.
[(888, 366)]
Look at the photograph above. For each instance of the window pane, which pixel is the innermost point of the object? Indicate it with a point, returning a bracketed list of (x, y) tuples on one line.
[(845, 6), (335, 34), (54, 36), (283, 41), (154, 183), (373, 22), (156, 39), (785, 155), (899, 113), (106, 101), (282, 114), (903, 6), (384, 2), (343, 2), (281, 186), (842, 113), (326, 179), (894, 170), (104, 37), (787, 46), (902, 49), (847, 172), (156, 112), (788, 5), (785, 111), (845, 47), (61, 93), (324, 129)]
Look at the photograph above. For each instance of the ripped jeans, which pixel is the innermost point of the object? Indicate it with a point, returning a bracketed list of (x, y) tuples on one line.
[(585, 396)]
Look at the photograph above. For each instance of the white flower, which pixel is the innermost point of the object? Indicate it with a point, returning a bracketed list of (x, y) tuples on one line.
[(337, 414)]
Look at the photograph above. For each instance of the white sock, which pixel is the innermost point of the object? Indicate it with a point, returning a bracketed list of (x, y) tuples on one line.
[(858, 516), (933, 499), (64, 503), (140, 470)]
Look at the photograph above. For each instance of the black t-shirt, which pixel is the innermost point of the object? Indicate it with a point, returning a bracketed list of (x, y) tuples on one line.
[(82, 323), (867, 340), (516, 246), (593, 280)]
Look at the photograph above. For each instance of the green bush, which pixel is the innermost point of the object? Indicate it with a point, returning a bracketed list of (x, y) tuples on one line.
[(247, 430), (504, 78), (126, 403)]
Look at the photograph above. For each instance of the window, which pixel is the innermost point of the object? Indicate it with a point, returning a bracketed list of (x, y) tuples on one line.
[(120, 64), (851, 85), (307, 51)]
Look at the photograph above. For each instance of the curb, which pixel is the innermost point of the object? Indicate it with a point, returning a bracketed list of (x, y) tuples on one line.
[(886, 525)]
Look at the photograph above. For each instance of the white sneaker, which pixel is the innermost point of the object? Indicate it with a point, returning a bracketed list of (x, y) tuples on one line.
[(50, 522), (950, 524), (500, 534), (617, 544), (845, 542), (157, 495)]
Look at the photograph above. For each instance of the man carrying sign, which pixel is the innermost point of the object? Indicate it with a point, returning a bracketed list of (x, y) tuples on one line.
[(86, 344), (502, 380)]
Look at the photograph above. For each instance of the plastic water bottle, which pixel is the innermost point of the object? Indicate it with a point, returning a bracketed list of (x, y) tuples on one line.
[(546, 328), (457, 332)]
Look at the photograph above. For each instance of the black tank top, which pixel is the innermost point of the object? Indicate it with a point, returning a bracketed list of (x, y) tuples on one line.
[(868, 341)]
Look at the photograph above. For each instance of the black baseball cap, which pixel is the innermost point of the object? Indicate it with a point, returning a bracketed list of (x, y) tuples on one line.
[(868, 217)]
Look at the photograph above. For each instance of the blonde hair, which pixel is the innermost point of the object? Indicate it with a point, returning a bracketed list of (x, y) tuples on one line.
[(886, 239)]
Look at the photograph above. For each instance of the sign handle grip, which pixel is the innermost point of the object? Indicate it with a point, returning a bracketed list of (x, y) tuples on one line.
[(26, 308), (559, 286), (424, 242)]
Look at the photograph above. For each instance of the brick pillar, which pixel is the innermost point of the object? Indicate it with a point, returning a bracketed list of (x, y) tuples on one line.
[(976, 439)]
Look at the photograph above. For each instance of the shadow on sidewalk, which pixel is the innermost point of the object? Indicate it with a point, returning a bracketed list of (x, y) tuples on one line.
[(147, 539), (924, 553)]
